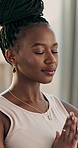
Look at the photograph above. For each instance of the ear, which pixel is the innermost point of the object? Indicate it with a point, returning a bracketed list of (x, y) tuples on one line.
[(10, 56)]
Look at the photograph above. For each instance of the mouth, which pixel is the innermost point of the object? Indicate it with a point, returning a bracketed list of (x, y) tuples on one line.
[(49, 71)]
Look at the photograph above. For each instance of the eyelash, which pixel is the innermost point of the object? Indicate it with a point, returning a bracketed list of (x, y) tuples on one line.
[(39, 52), (54, 52)]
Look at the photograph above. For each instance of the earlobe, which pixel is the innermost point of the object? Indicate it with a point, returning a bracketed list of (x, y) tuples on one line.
[(10, 56)]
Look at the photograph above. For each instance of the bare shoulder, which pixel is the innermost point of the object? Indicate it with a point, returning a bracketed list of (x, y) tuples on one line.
[(70, 108), (4, 126), (1, 132)]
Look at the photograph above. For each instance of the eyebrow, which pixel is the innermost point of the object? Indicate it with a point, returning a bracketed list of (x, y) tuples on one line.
[(42, 44)]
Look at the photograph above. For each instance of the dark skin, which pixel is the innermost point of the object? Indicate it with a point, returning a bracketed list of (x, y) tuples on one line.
[(36, 60)]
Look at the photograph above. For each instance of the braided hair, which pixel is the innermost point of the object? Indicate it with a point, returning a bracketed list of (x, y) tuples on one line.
[(15, 14)]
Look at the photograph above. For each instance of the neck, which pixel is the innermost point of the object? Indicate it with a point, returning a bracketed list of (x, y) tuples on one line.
[(28, 91)]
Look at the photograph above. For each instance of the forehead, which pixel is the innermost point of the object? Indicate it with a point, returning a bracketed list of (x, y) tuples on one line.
[(37, 32)]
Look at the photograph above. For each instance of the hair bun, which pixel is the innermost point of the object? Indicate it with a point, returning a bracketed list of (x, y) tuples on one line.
[(11, 10)]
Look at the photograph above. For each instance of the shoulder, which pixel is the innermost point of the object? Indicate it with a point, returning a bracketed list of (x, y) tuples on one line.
[(1, 130), (4, 124), (56, 103), (70, 108)]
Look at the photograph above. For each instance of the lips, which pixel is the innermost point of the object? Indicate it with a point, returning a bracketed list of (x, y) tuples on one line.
[(49, 71)]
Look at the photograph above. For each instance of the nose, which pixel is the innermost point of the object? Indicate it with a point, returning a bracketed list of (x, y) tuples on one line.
[(50, 58)]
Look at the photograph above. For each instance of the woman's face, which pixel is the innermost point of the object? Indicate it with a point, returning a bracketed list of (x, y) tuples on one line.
[(37, 58)]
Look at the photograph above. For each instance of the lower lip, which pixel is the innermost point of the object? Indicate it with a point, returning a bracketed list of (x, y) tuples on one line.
[(50, 73)]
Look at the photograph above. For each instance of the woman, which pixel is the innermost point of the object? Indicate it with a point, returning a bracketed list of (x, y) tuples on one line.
[(30, 118)]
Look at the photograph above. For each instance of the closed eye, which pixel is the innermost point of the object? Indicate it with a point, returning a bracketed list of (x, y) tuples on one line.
[(39, 52), (54, 52)]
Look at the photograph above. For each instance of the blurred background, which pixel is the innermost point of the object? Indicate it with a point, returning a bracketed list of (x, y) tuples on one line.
[(63, 18)]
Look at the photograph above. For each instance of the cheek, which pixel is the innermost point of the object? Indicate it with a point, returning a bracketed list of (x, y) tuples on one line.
[(31, 63), (34, 61)]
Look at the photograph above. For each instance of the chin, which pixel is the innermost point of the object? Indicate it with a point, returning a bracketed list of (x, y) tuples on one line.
[(46, 81)]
